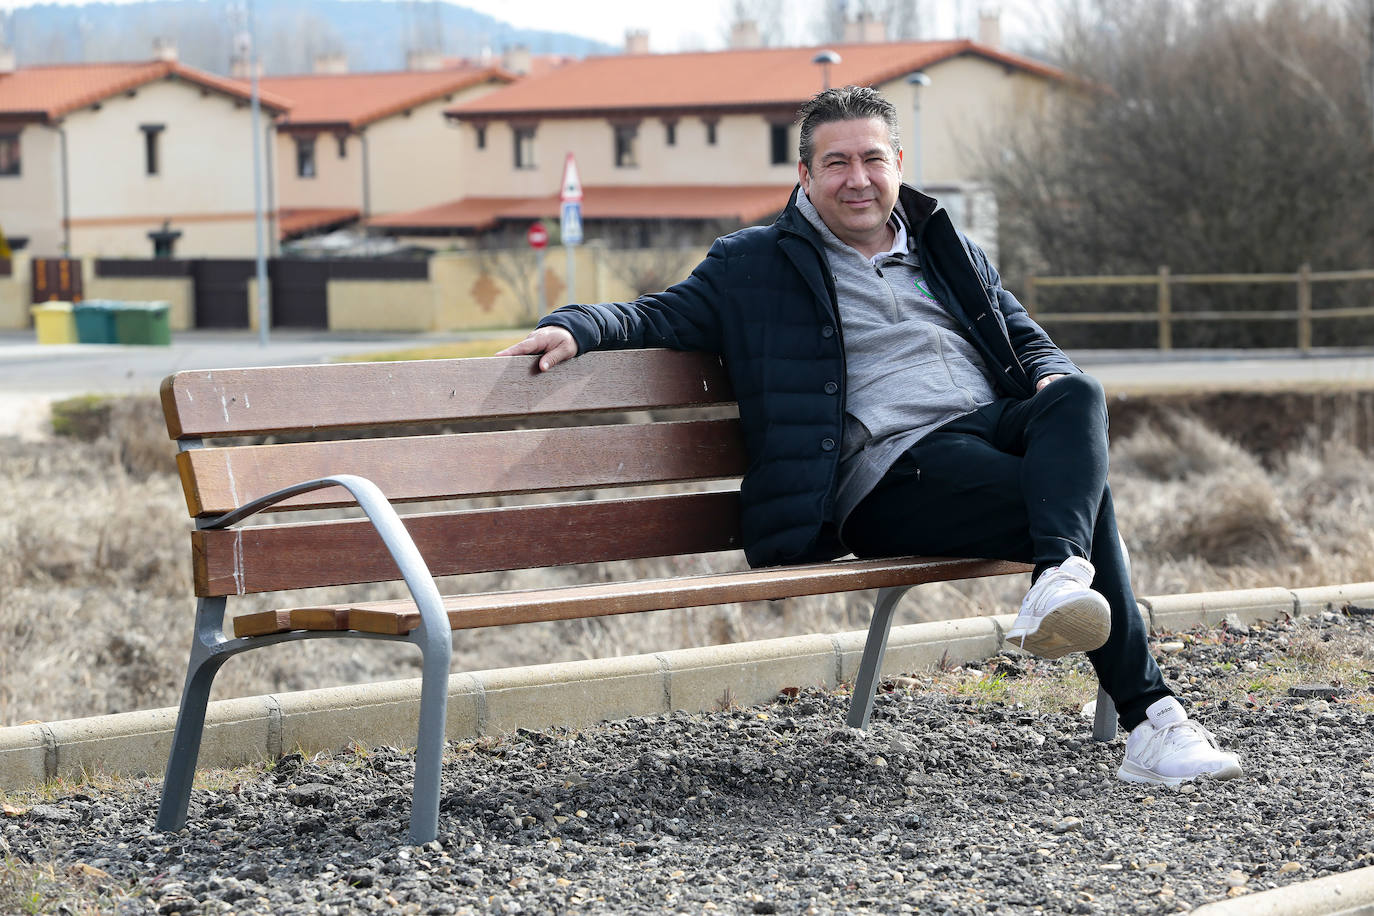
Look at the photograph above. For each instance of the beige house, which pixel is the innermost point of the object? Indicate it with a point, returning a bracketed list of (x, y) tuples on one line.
[(709, 136), (359, 144), (100, 159)]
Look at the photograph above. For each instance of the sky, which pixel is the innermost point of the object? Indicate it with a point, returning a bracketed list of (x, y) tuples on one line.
[(672, 26), (688, 25)]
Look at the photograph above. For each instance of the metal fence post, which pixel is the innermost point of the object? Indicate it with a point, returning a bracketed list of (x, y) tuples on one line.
[(1166, 328), (1305, 307)]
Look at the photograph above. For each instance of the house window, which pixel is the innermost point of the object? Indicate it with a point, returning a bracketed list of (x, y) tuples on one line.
[(151, 159), (710, 133), (342, 140), (481, 131), (524, 147), (9, 154), (777, 143), (670, 133), (305, 157), (625, 143)]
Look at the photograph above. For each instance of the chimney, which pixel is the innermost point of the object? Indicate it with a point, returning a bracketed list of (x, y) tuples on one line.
[(7, 61), (335, 62), (240, 67), (165, 49), (990, 27), (517, 60), (745, 34), (636, 41), (865, 28), (424, 60)]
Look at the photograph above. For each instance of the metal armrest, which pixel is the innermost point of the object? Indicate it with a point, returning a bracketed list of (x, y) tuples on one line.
[(433, 621)]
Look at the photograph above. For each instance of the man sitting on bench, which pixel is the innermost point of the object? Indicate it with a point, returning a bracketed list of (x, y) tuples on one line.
[(896, 400)]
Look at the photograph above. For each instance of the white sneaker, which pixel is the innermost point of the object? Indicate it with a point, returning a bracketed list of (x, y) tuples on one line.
[(1061, 613), (1169, 748)]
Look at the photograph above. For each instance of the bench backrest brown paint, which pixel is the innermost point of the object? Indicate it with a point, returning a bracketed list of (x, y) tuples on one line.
[(624, 447)]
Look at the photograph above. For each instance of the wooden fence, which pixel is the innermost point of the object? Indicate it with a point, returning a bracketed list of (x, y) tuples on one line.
[(1165, 317)]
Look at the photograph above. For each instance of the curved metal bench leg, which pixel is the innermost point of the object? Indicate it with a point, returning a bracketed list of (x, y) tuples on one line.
[(436, 650), (195, 696), (866, 683), (1104, 719)]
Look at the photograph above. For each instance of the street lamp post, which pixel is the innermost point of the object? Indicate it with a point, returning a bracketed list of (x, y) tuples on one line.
[(917, 81), (825, 59), (264, 291)]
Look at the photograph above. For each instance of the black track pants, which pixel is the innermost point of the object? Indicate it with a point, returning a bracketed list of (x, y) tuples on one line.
[(1025, 481)]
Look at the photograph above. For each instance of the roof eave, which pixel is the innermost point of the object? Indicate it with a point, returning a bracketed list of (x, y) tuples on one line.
[(704, 109), (317, 127), (28, 117)]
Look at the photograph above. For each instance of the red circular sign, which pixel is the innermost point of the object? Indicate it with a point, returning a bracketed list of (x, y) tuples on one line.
[(537, 236)]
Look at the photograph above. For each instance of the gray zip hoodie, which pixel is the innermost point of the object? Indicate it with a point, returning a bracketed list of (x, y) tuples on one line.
[(909, 368)]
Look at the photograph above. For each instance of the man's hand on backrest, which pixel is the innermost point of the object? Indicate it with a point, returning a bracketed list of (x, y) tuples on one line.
[(555, 343)]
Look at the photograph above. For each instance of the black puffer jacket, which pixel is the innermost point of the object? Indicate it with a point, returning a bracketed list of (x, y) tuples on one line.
[(764, 299)]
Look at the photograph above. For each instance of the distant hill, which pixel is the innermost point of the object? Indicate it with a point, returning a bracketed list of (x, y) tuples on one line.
[(291, 33)]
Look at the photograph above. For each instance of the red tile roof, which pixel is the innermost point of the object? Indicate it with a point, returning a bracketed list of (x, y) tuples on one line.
[(743, 203), (720, 80), (293, 221), (46, 93), (540, 64), (352, 100)]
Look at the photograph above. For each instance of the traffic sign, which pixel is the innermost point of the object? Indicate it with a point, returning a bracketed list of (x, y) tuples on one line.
[(537, 235), (572, 185), (570, 223)]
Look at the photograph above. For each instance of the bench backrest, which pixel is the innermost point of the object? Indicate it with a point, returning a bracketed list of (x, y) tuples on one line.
[(581, 427)]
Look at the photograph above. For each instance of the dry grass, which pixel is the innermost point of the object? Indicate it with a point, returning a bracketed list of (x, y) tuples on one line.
[(461, 349), (42, 888), (95, 610)]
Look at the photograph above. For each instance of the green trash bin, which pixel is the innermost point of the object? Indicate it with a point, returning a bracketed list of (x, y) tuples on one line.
[(95, 322), (142, 323)]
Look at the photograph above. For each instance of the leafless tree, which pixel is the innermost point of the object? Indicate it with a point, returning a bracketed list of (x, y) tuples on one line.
[(652, 270), (515, 265), (651, 255), (1215, 137), (1362, 19), (771, 17), (902, 19)]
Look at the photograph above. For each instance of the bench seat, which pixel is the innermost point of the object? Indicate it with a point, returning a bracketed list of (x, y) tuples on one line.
[(492, 609)]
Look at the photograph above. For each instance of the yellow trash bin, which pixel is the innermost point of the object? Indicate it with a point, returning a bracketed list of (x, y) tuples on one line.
[(54, 323)]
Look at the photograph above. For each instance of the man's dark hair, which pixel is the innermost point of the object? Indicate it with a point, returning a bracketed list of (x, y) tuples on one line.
[(852, 103)]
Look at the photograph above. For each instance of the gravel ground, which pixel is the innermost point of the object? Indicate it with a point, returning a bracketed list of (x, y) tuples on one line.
[(977, 790)]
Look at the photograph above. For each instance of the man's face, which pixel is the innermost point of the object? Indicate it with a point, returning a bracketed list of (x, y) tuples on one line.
[(852, 181)]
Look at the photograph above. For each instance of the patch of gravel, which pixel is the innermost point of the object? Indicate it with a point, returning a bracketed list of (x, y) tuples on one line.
[(974, 791)]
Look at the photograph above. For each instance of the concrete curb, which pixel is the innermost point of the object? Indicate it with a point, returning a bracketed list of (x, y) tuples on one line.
[(1349, 894), (570, 694)]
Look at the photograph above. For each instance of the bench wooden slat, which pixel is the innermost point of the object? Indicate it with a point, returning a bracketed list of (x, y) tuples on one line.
[(415, 468), (266, 623), (604, 599), (233, 402), (345, 552)]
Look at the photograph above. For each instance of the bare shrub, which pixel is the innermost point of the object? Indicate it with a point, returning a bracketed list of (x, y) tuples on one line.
[(1180, 447), (1208, 137), (1233, 519)]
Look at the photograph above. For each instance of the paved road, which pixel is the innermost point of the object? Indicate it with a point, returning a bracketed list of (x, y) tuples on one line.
[(26, 367), (31, 375)]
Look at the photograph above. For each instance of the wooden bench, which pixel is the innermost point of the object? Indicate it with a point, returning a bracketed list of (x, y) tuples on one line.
[(359, 423)]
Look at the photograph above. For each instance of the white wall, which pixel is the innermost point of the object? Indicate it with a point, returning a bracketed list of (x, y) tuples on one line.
[(31, 202)]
